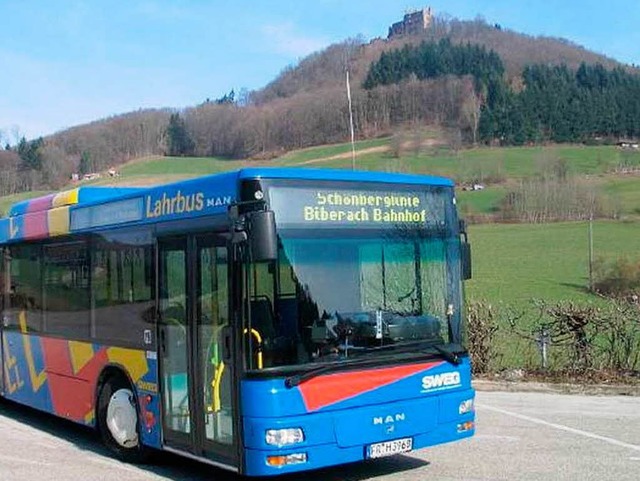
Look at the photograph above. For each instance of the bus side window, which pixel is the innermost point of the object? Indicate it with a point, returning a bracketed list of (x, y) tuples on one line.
[(24, 292), (122, 284), (66, 289)]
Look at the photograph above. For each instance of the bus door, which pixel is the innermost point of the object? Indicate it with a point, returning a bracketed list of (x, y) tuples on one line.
[(195, 349)]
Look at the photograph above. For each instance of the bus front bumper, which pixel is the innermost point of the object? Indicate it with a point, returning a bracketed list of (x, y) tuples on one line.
[(307, 457)]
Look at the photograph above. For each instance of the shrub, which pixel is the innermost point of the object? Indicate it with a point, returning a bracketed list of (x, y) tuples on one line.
[(620, 342), (586, 338), (618, 279), (482, 328)]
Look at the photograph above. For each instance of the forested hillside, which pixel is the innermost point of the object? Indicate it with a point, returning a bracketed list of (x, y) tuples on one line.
[(553, 103), (480, 81)]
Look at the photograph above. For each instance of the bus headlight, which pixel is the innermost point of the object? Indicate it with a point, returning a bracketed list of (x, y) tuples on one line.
[(284, 437), (466, 406)]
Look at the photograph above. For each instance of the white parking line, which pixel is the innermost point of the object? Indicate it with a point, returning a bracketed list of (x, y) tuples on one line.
[(579, 432)]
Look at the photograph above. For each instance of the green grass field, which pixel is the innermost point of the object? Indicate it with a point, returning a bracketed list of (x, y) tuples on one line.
[(621, 194), (517, 264), (514, 263), (480, 164), (625, 192), (483, 164), (181, 166), (481, 202)]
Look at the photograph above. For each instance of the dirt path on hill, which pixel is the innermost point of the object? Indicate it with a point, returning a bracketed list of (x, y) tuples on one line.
[(346, 155), (408, 145)]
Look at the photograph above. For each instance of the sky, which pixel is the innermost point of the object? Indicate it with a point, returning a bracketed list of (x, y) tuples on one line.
[(69, 62)]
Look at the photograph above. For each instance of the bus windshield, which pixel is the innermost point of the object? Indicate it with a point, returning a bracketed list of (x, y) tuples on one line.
[(338, 293), (336, 297)]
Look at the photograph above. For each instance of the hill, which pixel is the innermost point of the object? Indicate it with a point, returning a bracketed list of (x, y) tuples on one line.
[(325, 69)]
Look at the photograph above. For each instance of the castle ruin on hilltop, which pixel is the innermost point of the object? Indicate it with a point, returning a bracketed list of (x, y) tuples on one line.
[(414, 22)]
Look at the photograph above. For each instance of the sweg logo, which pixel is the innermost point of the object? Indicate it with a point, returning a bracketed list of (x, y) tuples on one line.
[(446, 380)]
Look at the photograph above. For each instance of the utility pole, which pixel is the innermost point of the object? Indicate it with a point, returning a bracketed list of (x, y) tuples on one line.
[(353, 146), (591, 251)]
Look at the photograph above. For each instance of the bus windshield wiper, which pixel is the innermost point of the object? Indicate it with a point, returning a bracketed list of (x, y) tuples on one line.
[(448, 355), (298, 379)]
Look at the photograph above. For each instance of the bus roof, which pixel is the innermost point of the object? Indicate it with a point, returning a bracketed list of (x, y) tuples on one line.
[(86, 208), (341, 175)]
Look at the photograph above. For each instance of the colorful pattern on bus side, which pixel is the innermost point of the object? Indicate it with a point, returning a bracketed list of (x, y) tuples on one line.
[(60, 376), (41, 217), (49, 215)]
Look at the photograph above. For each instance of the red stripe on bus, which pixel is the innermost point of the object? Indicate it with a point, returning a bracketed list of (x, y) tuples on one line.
[(71, 395), (323, 391)]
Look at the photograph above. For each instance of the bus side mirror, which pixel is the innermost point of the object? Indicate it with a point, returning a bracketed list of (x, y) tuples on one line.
[(465, 259), (263, 242)]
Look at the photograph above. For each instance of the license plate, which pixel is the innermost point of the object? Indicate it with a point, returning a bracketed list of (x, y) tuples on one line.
[(389, 448)]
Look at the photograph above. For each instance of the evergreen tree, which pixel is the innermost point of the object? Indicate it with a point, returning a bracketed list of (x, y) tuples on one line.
[(31, 153), (178, 138), (229, 98), (565, 106), (431, 60), (86, 164)]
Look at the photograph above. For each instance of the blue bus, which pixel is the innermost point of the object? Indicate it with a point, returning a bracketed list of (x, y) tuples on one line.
[(265, 321)]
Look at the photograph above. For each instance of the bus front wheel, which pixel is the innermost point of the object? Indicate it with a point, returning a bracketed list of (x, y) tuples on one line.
[(118, 420)]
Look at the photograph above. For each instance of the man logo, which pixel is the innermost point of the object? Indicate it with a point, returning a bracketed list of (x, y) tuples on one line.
[(390, 419), (438, 382)]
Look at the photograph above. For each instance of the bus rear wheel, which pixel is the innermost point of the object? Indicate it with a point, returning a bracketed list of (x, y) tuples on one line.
[(118, 421)]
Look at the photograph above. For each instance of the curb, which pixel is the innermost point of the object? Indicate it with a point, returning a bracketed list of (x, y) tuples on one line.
[(557, 388)]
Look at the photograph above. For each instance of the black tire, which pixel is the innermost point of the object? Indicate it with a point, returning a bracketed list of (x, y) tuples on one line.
[(134, 454)]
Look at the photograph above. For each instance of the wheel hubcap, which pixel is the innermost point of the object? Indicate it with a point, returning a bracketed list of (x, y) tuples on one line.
[(122, 418)]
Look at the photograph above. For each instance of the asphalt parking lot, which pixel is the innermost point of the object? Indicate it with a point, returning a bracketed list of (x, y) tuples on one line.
[(520, 436)]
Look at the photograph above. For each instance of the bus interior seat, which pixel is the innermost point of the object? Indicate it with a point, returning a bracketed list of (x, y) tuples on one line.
[(262, 318), (288, 310)]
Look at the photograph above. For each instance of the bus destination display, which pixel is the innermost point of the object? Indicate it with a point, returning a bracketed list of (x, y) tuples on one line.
[(298, 207)]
